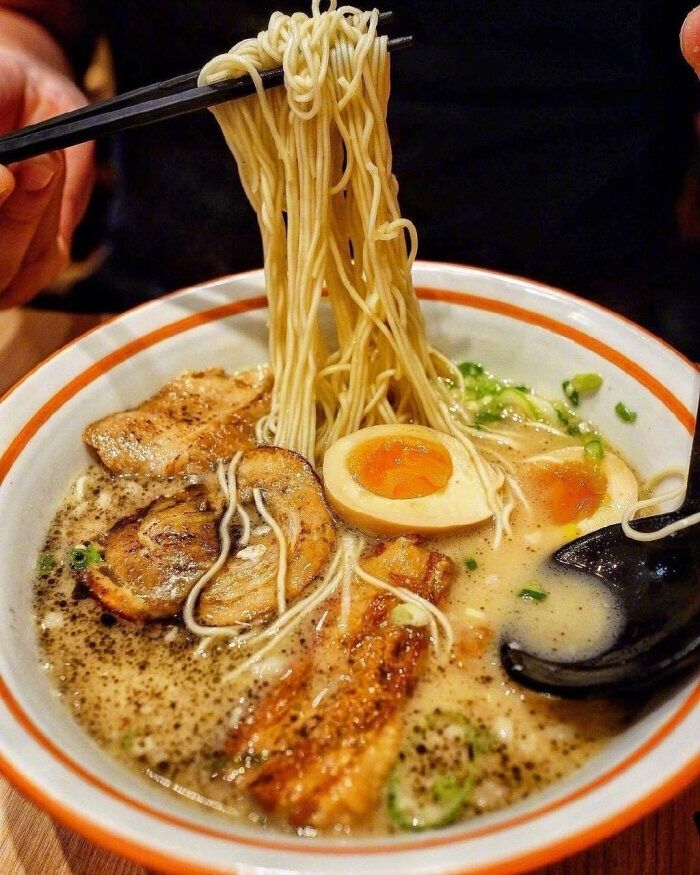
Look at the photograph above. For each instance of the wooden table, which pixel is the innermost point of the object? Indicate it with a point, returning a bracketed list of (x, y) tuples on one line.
[(31, 843)]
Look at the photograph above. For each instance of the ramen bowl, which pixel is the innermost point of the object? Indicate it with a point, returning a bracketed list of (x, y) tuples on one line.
[(518, 328)]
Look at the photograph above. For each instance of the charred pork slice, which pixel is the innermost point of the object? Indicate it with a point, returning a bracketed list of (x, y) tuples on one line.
[(245, 590), (322, 743), (154, 557), (187, 427)]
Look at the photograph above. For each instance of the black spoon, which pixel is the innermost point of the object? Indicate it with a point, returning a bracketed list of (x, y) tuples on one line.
[(658, 585)]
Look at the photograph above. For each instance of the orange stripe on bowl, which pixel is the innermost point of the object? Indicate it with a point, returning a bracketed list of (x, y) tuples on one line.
[(656, 387), (110, 361), (144, 854)]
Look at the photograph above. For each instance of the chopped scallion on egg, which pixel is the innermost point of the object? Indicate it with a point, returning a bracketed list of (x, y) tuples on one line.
[(470, 564), (594, 450)]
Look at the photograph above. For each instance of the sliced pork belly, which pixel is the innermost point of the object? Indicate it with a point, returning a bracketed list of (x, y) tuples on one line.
[(322, 758), (186, 427), (153, 558), (245, 590)]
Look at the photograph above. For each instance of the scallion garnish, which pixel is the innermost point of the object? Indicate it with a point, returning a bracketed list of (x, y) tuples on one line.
[(581, 384), (625, 414), (471, 564), (586, 384), (447, 788), (409, 614), (82, 556), (471, 369), (486, 416), (533, 592), (571, 393), (594, 450), (45, 564)]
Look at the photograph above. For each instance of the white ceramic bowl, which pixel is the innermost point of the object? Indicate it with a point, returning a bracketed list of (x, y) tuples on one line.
[(518, 328)]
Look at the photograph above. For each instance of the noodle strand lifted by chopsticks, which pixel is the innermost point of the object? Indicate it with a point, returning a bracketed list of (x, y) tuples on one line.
[(315, 161)]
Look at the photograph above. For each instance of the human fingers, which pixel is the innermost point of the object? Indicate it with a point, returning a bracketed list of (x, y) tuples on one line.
[(36, 276), (36, 181), (7, 184), (47, 229), (690, 39)]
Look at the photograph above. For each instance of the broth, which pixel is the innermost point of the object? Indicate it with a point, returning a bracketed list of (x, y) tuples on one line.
[(153, 696)]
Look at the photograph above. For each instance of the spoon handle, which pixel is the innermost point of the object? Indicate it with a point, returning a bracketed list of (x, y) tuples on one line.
[(692, 494)]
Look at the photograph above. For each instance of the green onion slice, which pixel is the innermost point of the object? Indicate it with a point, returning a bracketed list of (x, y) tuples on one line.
[(533, 592), (571, 393), (434, 774), (409, 614), (471, 564), (487, 416), (625, 414), (45, 564), (586, 384), (594, 450), (83, 556), (471, 369)]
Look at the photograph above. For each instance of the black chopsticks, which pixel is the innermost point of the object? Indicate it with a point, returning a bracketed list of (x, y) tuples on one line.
[(144, 106)]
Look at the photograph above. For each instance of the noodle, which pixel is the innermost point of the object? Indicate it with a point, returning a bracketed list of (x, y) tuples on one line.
[(315, 162), (662, 498)]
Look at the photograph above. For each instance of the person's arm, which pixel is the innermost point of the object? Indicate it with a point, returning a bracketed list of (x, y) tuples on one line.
[(43, 199)]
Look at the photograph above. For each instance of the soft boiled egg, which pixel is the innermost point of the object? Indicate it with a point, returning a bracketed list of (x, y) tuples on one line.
[(389, 479), (575, 489)]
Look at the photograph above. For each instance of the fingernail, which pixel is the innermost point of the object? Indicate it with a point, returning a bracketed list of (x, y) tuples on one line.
[(36, 175)]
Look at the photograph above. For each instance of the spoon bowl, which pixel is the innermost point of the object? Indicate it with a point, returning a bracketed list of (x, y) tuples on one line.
[(657, 584)]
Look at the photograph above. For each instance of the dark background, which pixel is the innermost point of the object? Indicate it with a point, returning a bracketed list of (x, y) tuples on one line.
[(553, 140)]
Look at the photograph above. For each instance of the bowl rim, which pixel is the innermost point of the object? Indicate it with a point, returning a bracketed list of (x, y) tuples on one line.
[(571, 842)]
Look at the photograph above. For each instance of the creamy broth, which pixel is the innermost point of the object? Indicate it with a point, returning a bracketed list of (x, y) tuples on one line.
[(154, 697)]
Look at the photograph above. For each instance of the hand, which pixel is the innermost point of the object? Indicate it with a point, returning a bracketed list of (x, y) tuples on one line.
[(41, 199), (690, 39)]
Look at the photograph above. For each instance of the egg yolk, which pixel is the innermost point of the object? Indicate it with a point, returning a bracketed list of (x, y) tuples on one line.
[(571, 491), (401, 467)]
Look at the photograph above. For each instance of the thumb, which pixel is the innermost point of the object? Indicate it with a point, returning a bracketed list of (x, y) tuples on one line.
[(690, 39)]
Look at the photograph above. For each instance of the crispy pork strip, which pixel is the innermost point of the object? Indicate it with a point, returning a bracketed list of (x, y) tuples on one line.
[(153, 558), (245, 590), (186, 427), (321, 758)]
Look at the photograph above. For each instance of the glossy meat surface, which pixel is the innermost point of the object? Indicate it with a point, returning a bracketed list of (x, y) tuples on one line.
[(319, 747), (154, 557), (186, 427), (245, 590)]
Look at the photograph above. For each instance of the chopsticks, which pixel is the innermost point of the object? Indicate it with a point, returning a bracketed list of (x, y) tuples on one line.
[(143, 106)]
